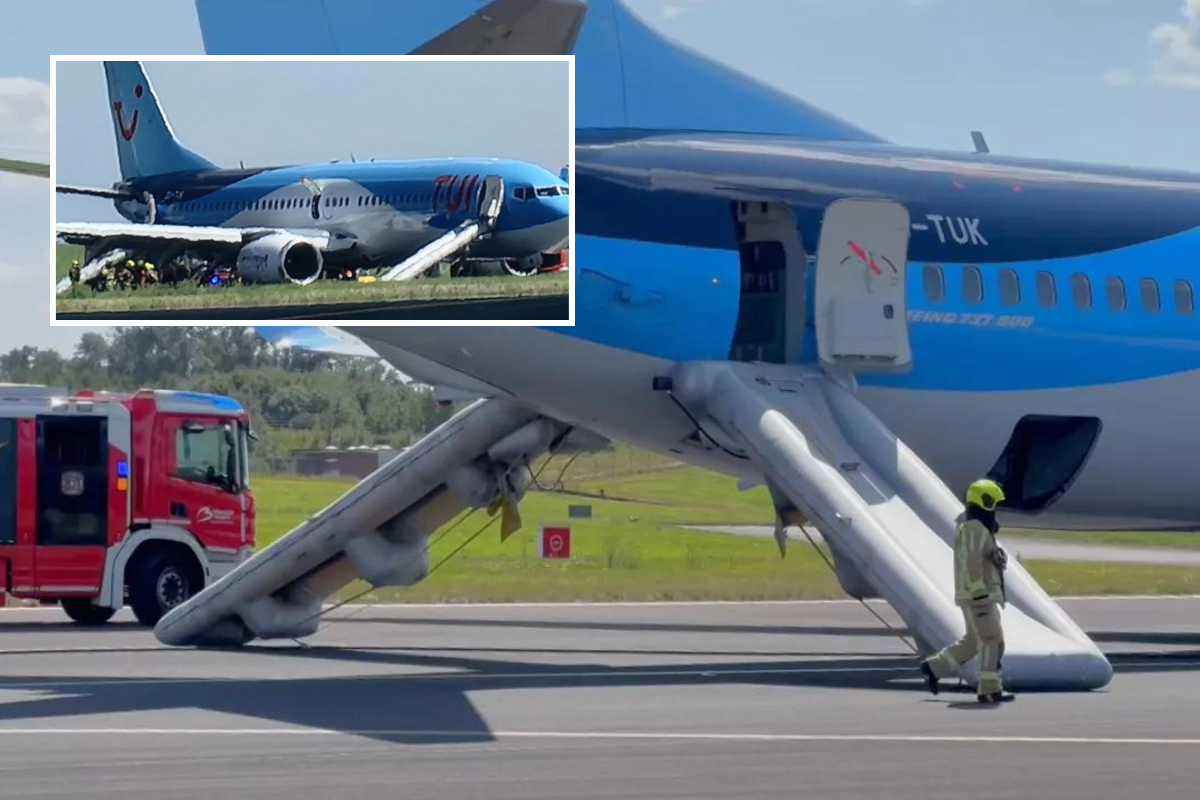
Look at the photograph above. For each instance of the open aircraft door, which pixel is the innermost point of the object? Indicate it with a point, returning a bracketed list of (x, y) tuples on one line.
[(490, 200), (861, 318)]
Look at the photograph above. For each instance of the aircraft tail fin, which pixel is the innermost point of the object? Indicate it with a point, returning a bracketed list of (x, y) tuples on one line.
[(627, 74), (146, 145)]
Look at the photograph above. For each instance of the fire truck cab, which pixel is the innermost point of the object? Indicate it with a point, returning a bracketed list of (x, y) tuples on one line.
[(108, 499)]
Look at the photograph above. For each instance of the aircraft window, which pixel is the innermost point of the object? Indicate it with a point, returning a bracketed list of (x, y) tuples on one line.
[(565, 190), (1010, 287), (1047, 292), (1081, 290), (1116, 293), (1151, 301), (935, 284), (1185, 301), (972, 283), (548, 191)]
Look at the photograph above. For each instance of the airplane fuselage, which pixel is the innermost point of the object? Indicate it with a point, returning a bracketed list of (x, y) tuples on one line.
[(1033, 288), (378, 211)]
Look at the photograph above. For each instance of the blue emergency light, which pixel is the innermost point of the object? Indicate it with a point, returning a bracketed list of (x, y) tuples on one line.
[(122, 469)]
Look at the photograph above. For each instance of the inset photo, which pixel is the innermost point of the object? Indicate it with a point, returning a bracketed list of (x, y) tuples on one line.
[(218, 190)]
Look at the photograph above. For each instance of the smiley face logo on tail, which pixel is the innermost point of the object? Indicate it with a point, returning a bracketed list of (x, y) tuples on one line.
[(127, 133)]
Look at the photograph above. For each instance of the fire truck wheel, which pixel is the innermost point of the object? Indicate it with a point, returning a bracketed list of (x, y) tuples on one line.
[(159, 583), (83, 611)]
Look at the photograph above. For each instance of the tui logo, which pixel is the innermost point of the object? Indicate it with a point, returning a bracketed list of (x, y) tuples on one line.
[(127, 133)]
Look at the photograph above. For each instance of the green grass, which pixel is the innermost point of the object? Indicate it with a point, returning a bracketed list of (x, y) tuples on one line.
[(24, 167), (637, 551), (82, 300)]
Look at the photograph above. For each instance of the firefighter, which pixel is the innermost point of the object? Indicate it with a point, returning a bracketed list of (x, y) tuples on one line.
[(73, 272), (148, 274), (123, 273), (979, 564)]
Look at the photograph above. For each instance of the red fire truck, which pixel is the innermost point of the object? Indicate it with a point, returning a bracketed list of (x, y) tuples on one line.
[(108, 499)]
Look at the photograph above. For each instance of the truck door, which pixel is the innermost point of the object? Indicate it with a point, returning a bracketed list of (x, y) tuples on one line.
[(861, 317), (71, 533), (203, 479), (8, 494)]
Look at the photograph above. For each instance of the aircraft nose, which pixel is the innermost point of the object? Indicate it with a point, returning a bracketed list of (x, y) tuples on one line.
[(561, 208)]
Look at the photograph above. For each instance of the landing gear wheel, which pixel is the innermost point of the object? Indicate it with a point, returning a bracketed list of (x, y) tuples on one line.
[(83, 611), (158, 584)]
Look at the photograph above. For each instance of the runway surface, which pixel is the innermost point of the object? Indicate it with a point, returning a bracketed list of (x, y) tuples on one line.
[(767, 700), (1024, 547), (553, 307)]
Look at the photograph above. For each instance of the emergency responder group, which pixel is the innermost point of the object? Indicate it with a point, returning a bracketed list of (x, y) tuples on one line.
[(979, 564), (131, 274)]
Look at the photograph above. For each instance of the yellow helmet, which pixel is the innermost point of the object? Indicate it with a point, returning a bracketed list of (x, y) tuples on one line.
[(129, 263), (75, 262), (985, 493), (149, 266)]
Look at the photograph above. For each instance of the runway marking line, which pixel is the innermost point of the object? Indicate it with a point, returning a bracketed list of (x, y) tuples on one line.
[(882, 738)]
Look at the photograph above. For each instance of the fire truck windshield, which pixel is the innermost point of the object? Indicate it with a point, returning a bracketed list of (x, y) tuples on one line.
[(208, 453)]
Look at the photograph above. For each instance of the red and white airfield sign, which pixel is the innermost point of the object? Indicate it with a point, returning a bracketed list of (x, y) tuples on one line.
[(554, 541)]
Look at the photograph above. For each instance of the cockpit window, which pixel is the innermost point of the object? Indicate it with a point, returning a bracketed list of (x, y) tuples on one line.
[(523, 193), (548, 191)]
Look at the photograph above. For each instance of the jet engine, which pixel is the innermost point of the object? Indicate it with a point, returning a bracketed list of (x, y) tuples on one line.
[(279, 258)]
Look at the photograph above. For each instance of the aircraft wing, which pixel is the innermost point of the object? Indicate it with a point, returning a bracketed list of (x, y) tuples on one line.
[(447, 384), (89, 232), (25, 167), (111, 194), (513, 27)]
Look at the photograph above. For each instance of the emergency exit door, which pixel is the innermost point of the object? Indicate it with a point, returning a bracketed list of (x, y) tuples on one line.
[(861, 316), (491, 197), (72, 503)]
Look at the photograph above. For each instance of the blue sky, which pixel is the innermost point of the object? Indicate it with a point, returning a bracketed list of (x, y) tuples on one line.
[(1095, 80)]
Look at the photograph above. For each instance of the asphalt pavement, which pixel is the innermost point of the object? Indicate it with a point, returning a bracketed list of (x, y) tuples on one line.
[(737, 700)]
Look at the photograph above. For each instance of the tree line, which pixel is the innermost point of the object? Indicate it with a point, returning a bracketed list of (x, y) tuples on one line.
[(297, 399)]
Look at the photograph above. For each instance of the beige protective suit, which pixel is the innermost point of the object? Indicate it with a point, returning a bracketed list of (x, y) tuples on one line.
[(979, 591)]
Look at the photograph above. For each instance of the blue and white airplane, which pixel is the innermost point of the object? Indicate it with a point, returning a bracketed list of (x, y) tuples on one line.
[(773, 293), (295, 223)]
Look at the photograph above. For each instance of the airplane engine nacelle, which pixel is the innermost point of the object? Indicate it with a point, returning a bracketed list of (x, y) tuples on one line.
[(279, 258)]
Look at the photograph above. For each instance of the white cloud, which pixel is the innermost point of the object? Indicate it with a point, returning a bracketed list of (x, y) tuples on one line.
[(24, 115), (1119, 78), (1177, 49)]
